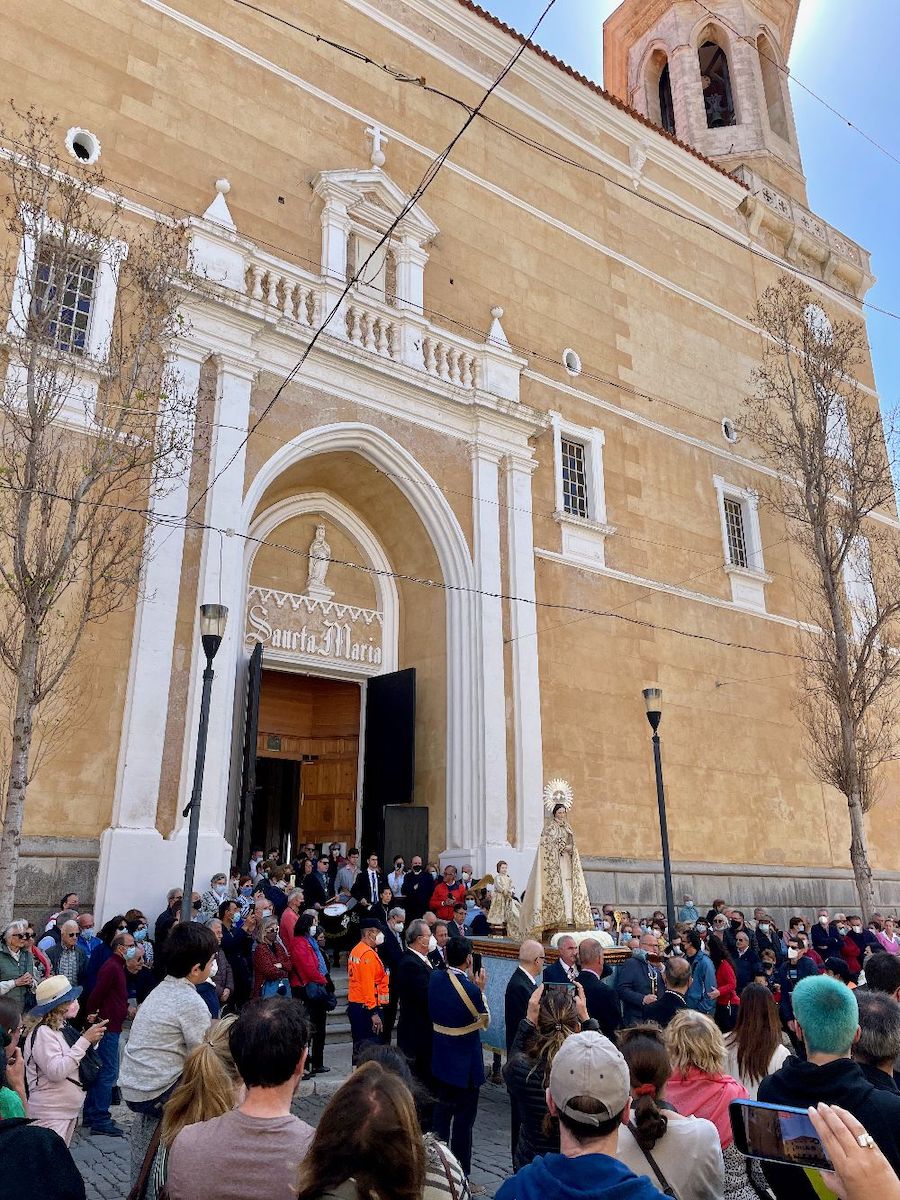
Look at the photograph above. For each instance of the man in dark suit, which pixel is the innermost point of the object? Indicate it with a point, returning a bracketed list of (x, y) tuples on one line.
[(602, 1004), (564, 970), (369, 883), (317, 886), (418, 884), (458, 1012), (677, 976), (390, 952), (638, 982), (411, 978), (522, 983), (438, 956)]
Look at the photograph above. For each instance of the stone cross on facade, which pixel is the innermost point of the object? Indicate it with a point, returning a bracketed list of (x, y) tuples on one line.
[(379, 141)]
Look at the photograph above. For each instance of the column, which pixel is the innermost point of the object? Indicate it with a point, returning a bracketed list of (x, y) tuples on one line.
[(131, 850), (488, 819), (147, 702), (523, 635), (220, 581)]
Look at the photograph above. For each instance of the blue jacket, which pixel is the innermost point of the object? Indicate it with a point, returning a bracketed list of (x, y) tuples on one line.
[(590, 1177), (703, 981), (456, 1059)]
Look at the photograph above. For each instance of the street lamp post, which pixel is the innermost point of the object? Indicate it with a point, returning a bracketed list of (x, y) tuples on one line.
[(653, 702), (212, 630)]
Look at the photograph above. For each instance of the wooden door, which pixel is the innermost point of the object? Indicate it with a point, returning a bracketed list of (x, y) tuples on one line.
[(328, 797)]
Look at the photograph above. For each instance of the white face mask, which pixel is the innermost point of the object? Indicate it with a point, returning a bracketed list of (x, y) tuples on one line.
[(397, 926), (764, 928), (823, 920), (313, 930), (432, 943), (379, 938), (214, 969), (793, 954), (857, 928)]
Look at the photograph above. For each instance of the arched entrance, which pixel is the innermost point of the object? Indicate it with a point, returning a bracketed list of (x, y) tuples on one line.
[(403, 532)]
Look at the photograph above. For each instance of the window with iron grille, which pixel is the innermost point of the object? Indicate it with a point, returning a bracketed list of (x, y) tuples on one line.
[(734, 527), (574, 478), (64, 296)]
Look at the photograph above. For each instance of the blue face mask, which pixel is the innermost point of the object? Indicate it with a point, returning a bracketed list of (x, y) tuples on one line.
[(87, 934), (470, 903), (140, 935), (640, 953), (247, 890), (131, 952)]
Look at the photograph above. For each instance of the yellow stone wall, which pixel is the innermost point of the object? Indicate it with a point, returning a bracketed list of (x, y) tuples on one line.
[(667, 350)]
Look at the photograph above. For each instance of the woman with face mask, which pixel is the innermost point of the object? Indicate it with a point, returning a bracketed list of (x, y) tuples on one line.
[(271, 961), (313, 985), (136, 924), (53, 1054)]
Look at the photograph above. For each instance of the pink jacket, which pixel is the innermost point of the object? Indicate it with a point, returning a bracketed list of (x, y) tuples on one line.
[(891, 947), (700, 1095), (51, 1066)]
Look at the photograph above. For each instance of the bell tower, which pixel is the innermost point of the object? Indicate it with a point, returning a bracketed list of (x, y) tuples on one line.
[(714, 74)]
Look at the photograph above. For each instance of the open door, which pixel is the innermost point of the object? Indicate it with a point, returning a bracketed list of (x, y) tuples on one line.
[(248, 773), (389, 762)]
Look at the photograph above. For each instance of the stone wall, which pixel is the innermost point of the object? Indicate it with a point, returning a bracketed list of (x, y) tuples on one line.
[(50, 866), (637, 884)]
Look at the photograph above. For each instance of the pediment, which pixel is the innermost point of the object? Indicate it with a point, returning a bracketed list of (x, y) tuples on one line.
[(373, 199)]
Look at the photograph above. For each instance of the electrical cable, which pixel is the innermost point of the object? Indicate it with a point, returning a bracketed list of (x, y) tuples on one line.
[(427, 179), (172, 520)]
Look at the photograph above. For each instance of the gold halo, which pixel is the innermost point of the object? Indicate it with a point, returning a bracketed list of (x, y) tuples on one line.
[(558, 791)]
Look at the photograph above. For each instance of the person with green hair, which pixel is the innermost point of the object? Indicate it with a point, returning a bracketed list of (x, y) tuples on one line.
[(826, 1017)]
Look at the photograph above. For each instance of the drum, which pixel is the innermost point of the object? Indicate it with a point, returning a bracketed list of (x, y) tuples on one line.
[(334, 919)]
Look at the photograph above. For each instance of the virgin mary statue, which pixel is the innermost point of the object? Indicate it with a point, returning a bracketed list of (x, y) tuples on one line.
[(556, 896)]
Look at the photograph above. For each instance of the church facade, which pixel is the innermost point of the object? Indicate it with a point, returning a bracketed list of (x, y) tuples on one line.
[(504, 491)]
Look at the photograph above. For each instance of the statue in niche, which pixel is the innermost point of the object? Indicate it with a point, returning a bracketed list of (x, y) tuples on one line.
[(319, 561)]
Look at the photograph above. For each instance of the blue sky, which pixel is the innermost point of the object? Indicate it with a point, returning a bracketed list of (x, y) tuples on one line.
[(851, 183)]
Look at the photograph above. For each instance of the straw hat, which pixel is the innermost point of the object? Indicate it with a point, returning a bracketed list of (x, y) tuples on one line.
[(52, 993)]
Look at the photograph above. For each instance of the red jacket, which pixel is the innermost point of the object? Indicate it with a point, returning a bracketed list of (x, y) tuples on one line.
[(726, 982), (443, 899), (109, 997), (304, 962), (269, 962)]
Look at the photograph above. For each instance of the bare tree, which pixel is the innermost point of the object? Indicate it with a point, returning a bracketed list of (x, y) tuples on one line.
[(91, 426), (834, 457)]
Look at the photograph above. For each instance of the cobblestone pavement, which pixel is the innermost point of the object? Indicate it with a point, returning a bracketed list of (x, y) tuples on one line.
[(104, 1161)]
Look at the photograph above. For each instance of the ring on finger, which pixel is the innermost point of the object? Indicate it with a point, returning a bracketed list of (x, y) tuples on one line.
[(865, 1140)]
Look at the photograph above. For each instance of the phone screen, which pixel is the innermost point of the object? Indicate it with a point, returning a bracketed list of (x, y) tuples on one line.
[(476, 962), (557, 983), (777, 1133)]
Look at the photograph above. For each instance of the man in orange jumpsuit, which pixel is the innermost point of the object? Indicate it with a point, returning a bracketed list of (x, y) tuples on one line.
[(368, 987)]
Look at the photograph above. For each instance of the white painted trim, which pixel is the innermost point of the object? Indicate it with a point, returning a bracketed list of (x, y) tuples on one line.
[(526, 689), (592, 439), (654, 585), (749, 501), (678, 435), (400, 138), (328, 505), (490, 694)]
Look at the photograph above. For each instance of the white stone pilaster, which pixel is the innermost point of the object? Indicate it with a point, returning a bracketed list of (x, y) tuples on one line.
[(150, 671), (488, 817), (132, 851), (220, 581), (524, 654)]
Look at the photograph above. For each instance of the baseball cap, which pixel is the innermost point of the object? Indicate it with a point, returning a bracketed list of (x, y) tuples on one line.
[(588, 1064)]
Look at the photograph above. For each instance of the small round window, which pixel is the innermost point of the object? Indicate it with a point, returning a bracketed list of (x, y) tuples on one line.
[(83, 145), (571, 362), (729, 430)]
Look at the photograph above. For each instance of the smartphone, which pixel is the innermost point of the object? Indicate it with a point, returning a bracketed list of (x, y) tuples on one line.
[(563, 983), (476, 962), (777, 1133)]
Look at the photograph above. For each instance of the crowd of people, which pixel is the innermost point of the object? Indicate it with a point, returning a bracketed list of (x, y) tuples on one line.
[(620, 1077)]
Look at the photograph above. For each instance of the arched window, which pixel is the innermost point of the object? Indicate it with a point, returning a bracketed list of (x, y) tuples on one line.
[(660, 107), (772, 86), (716, 79), (666, 104)]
